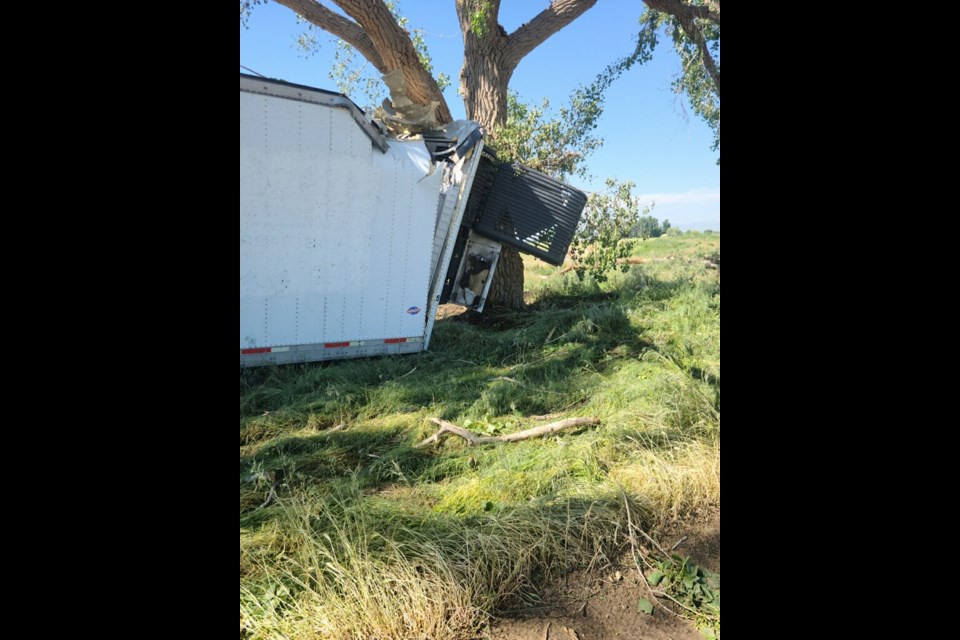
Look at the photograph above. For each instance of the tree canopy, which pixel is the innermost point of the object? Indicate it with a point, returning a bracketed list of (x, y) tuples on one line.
[(377, 31)]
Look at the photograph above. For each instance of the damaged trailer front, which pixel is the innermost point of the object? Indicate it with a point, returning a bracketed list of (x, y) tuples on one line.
[(350, 238)]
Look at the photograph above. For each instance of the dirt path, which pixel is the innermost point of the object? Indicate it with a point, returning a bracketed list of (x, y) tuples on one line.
[(604, 607)]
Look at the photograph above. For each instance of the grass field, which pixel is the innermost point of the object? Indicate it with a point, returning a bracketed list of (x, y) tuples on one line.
[(370, 537)]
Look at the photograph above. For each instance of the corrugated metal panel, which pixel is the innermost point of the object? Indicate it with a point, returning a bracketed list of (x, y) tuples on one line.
[(530, 211), (482, 184)]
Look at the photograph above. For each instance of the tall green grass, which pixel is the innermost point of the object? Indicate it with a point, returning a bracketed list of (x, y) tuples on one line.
[(370, 537), (351, 565)]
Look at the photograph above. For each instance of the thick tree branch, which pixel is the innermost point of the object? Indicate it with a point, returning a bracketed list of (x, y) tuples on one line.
[(694, 33), (535, 432), (683, 11), (529, 36), (347, 30), (396, 49)]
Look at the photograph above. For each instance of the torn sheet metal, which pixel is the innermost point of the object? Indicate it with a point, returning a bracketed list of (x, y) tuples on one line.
[(453, 141), (416, 153)]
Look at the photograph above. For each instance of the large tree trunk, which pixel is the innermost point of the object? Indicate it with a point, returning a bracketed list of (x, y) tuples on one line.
[(484, 83), (484, 79), (507, 288)]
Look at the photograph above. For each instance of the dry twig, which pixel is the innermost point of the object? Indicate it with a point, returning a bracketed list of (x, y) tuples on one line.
[(535, 432), (633, 552)]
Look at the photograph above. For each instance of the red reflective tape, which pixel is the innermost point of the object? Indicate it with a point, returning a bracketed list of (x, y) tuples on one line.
[(333, 345), (250, 352), (394, 340)]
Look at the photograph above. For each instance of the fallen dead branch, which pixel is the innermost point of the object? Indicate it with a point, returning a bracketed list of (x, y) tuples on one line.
[(270, 496), (535, 432), (635, 553)]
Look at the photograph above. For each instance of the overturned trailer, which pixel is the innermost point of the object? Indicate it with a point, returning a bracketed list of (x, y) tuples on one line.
[(350, 238)]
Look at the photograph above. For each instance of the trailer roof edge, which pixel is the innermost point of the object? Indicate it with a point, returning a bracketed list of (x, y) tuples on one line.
[(313, 95)]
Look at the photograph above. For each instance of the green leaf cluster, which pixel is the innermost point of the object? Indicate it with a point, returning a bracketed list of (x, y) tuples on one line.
[(692, 586), (610, 217), (693, 80), (556, 145)]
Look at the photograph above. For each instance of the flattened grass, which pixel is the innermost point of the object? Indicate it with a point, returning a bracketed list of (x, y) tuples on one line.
[(372, 537)]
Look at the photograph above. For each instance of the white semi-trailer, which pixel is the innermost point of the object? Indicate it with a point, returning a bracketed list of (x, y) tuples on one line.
[(348, 236)]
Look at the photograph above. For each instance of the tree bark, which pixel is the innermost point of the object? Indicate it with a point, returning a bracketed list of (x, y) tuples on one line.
[(485, 74), (490, 56), (506, 290), (685, 11), (396, 48)]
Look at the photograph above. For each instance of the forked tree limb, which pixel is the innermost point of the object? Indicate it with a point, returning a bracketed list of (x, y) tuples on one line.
[(532, 34), (473, 439)]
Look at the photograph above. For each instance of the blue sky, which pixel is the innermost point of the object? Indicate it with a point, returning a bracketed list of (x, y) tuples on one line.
[(651, 137)]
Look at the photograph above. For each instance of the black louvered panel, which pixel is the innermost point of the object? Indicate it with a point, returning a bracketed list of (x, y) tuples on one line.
[(532, 212), (482, 183)]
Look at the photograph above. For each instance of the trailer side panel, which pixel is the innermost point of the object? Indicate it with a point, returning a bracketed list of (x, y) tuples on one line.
[(335, 235)]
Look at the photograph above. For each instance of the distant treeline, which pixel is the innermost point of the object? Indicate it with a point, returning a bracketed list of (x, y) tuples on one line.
[(650, 227)]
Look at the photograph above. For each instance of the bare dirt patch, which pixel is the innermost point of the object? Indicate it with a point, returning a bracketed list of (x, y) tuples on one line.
[(702, 541), (603, 606), (449, 310)]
